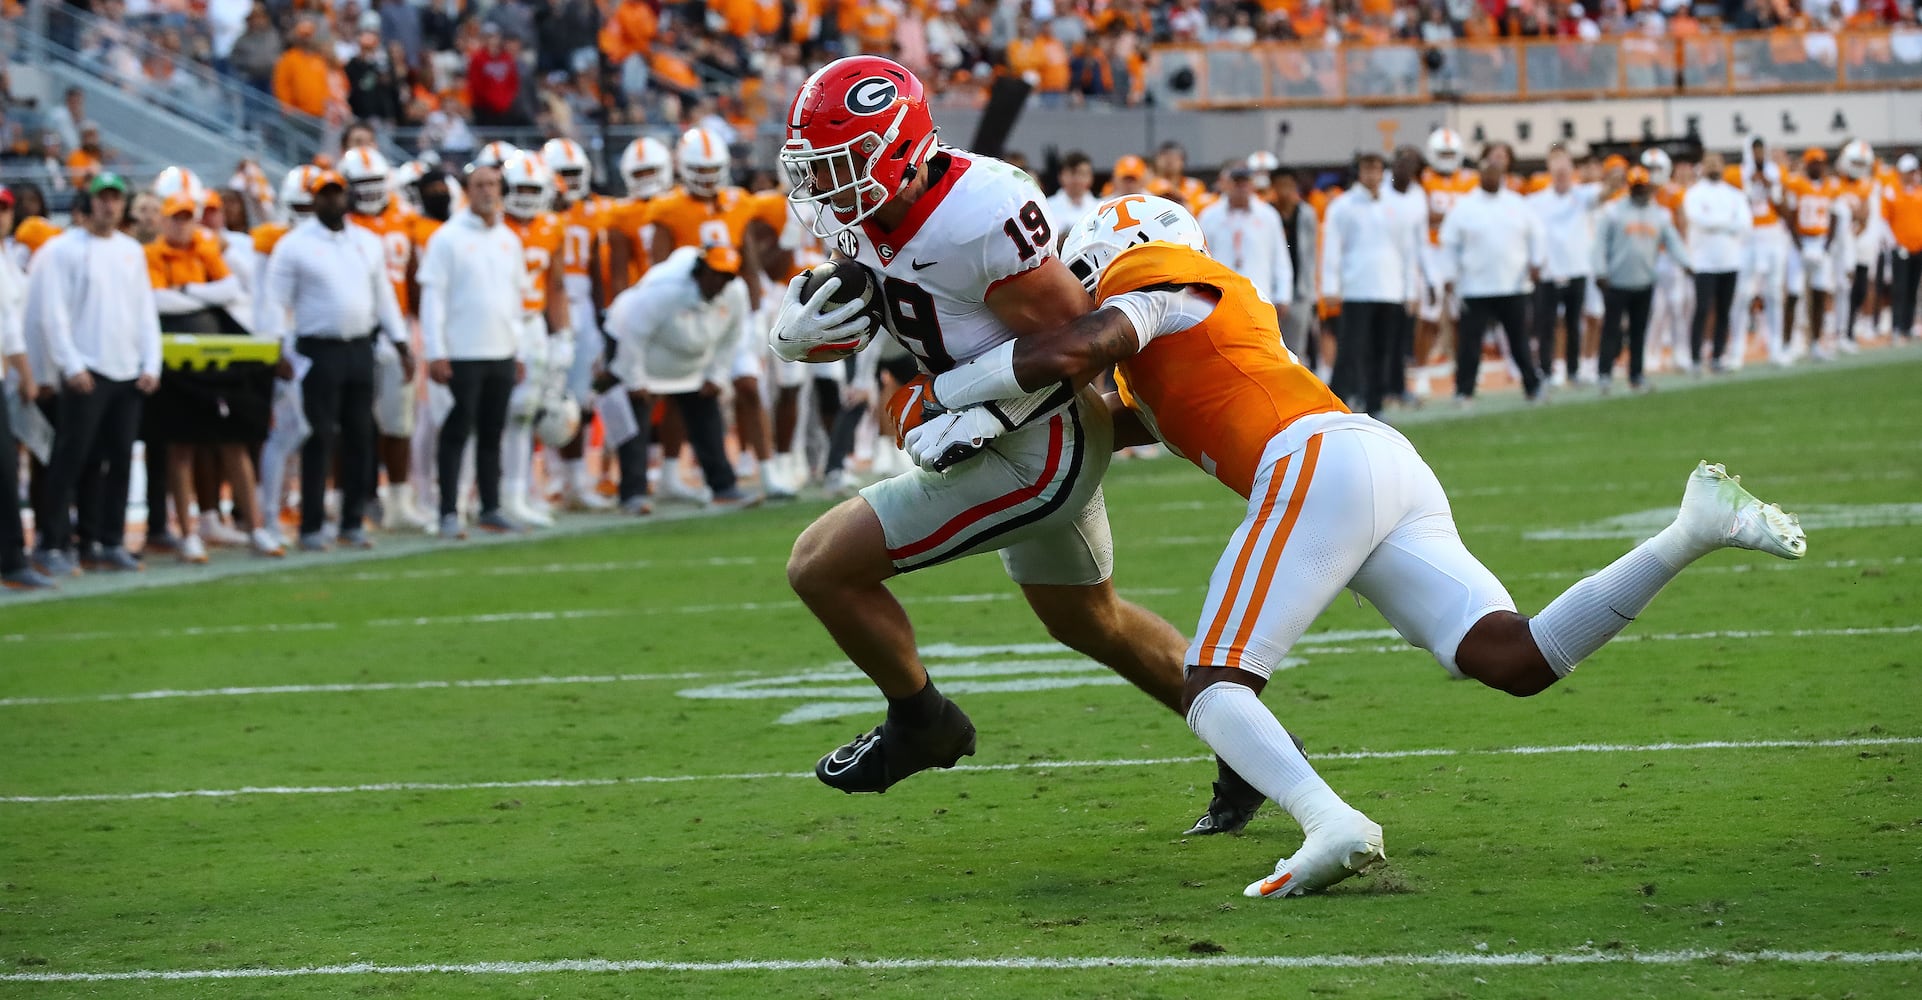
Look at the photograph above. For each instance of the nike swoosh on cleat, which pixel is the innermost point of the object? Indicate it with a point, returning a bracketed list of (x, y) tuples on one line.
[(835, 759), (1273, 885)]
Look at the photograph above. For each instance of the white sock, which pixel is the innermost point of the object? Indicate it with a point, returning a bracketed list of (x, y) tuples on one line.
[(1590, 613), (517, 456), (1234, 723), (577, 475)]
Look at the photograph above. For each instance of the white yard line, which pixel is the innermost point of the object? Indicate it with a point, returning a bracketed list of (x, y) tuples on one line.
[(1326, 643), (1045, 765), (1440, 959), (505, 617)]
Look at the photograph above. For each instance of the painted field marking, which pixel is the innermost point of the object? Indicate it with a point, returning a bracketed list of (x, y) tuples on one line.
[(512, 617), (1637, 525), (1440, 959), (1045, 765), (1330, 643)]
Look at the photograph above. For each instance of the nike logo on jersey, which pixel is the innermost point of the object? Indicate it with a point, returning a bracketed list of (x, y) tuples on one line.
[(917, 265), (837, 765)]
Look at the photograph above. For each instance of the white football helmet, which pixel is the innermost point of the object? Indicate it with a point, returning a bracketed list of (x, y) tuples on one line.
[(570, 164), (294, 196), (1263, 164), (1856, 160), (1660, 168), (558, 421), (1119, 223), (180, 182), (703, 162), (494, 154), (367, 177), (647, 167), (1445, 151), (527, 185)]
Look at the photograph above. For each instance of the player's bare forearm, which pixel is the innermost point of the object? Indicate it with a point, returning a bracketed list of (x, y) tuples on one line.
[(1078, 352)]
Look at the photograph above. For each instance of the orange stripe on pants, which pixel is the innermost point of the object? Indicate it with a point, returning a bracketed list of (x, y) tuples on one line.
[(1226, 610), (1273, 556)]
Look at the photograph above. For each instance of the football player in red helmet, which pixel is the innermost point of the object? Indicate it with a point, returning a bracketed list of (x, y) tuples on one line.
[(964, 259)]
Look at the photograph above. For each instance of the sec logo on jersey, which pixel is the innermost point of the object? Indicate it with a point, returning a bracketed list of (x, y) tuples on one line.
[(847, 244), (871, 95)]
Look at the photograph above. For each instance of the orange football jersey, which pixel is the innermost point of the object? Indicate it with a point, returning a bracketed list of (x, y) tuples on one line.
[(1218, 391), (541, 239), (169, 266), (771, 208), (1442, 190), (421, 229), (395, 229), (1669, 196), (1810, 203), (692, 222), (633, 218), (33, 233), (582, 225), (266, 235)]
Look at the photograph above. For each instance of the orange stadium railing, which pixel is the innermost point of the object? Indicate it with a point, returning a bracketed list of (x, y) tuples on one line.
[(1283, 74)]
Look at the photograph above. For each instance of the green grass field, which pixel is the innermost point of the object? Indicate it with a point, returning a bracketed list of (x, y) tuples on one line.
[(574, 750)]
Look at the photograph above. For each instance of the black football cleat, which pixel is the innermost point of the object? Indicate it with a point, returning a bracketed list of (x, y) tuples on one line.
[(876, 759), (1235, 801)]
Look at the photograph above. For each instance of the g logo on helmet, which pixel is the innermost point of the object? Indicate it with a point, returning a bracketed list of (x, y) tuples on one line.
[(872, 95)]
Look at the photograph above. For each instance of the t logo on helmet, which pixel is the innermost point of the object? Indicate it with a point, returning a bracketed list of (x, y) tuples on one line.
[(871, 95)]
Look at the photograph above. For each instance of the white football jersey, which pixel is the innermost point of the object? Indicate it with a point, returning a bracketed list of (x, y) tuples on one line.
[(979, 224)]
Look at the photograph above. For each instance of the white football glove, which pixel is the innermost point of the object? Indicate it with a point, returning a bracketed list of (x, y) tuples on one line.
[(940, 443), (815, 331)]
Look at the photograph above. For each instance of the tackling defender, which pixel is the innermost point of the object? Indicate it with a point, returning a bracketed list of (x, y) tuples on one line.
[(1335, 500)]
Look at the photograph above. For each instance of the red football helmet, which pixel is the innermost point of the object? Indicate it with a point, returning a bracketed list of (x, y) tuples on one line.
[(857, 133)]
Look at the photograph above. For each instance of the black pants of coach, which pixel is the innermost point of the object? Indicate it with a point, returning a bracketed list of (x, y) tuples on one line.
[(481, 391), (87, 493), (1370, 342), (13, 535), (1511, 311), (1906, 269), (94, 429), (706, 434), (1563, 300), (338, 395), (1624, 317), (1714, 289)]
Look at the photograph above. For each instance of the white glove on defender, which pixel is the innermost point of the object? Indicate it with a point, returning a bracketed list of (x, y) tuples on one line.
[(940, 443), (814, 330)]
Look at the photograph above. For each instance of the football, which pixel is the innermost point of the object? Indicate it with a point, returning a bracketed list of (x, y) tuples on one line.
[(857, 284)]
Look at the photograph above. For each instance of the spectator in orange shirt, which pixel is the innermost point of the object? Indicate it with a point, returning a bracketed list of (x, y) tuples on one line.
[(737, 16), (874, 28), (88, 160), (625, 38), (302, 76), (1124, 15)]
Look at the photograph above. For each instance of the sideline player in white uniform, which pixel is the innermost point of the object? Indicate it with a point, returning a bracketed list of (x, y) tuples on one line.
[(1336, 500), (1763, 279), (964, 257)]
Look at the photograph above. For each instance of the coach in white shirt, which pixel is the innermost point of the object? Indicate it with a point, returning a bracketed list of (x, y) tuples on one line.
[(1563, 208), (1368, 271), (15, 572), (1074, 199), (90, 299), (473, 280), (1491, 250), (1719, 225), (331, 277), (1244, 233), (675, 333)]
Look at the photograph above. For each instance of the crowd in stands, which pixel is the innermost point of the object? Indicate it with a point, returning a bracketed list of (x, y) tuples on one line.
[(445, 67)]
